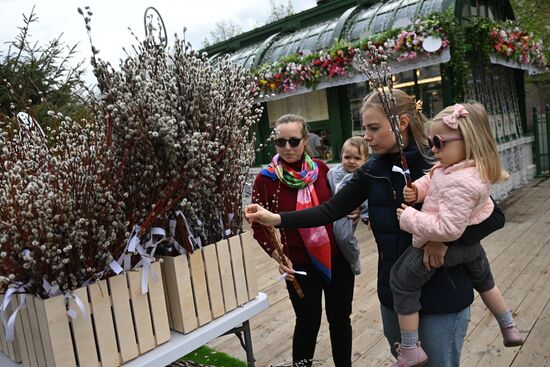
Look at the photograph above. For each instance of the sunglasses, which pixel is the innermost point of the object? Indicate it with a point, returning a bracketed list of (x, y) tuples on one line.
[(281, 142), (438, 142)]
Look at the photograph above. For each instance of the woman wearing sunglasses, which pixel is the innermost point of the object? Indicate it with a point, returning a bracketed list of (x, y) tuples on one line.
[(455, 194), (295, 181), (446, 297)]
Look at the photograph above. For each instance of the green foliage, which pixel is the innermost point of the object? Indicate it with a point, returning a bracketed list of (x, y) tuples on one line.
[(533, 16), (223, 30), (279, 11), (37, 78), (226, 29), (210, 357), (458, 64), (479, 40)]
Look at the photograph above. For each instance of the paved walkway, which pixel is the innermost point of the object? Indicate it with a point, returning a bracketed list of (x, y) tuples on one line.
[(520, 259)]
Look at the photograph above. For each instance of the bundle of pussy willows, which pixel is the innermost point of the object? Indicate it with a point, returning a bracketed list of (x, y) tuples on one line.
[(61, 212), (181, 125)]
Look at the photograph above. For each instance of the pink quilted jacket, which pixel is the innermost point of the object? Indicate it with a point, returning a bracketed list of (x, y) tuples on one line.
[(454, 198)]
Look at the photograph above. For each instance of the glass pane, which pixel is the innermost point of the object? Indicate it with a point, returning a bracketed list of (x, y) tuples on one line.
[(325, 40), (245, 56), (382, 17), (359, 28), (405, 77), (466, 10), (311, 39), (483, 8), (407, 10), (430, 6), (356, 93), (432, 99)]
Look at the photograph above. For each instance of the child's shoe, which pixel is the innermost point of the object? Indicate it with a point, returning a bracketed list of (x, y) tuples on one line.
[(410, 357), (511, 336)]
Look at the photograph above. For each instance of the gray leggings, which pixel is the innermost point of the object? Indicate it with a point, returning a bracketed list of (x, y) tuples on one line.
[(408, 274)]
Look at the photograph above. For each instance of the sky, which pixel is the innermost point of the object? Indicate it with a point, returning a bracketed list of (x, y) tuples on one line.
[(111, 19)]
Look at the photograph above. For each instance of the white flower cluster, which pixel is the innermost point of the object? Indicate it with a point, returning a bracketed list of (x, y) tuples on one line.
[(182, 130), (60, 218)]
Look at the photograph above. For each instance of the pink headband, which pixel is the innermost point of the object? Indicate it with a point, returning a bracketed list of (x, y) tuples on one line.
[(458, 112)]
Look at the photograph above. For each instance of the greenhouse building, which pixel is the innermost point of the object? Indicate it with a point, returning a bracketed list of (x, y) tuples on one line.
[(440, 51)]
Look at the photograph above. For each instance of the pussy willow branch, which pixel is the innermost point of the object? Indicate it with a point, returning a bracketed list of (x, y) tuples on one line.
[(379, 74), (270, 230)]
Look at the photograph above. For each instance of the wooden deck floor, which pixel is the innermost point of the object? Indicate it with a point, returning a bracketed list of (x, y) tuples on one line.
[(520, 259)]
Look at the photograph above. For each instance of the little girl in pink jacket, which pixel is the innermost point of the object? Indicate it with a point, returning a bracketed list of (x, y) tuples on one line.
[(455, 194), (459, 197)]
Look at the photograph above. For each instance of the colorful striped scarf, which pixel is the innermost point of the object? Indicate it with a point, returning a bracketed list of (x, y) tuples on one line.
[(316, 239)]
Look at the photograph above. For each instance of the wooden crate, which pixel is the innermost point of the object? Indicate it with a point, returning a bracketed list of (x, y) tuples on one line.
[(12, 349), (248, 242), (210, 282), (122, 324)]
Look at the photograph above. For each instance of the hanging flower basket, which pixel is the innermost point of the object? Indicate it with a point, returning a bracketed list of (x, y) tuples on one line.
[(309, 69)]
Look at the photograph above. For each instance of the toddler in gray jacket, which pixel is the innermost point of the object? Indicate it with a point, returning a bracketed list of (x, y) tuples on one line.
[(354, 155)]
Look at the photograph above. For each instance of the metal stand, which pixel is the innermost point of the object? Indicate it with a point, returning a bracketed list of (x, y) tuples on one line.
[(246, 342)]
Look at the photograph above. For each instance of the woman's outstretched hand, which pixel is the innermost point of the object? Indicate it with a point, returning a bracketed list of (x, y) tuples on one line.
[(256, 213)]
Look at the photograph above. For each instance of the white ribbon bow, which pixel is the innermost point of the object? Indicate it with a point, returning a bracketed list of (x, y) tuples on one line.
[(195, 242), (405, 173), (146, 252), (284, 275), (172, 239), (81, 306), (9, 322)]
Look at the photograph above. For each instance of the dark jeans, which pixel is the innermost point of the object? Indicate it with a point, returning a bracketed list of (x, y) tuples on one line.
[(408, 274), (308, 310)]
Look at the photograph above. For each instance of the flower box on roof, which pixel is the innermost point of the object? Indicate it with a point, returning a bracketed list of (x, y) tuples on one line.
[(516, 48), (420, 44)]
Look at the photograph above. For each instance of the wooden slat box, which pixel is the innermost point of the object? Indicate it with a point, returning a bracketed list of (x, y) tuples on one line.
[(123, 323), (209, 282), (11, 349)]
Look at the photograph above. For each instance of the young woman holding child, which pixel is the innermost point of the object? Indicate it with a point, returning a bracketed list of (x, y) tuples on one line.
[(447, 296), (455, 194)]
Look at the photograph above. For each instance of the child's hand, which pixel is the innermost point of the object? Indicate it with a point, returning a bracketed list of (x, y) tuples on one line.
[(354, 215), (366, 222), (410, 194), (434, 255), (401, 210)]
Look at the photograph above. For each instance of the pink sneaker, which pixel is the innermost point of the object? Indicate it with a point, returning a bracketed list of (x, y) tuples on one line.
[(511, 336), (410, 357)]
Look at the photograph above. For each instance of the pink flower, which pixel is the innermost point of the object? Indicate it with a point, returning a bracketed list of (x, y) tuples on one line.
[(410, 55)]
